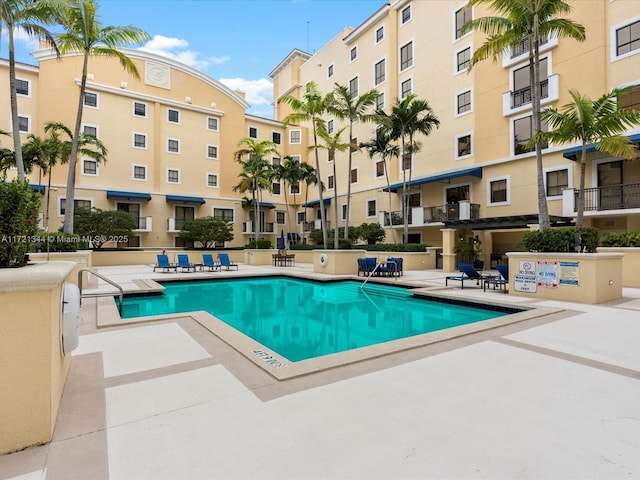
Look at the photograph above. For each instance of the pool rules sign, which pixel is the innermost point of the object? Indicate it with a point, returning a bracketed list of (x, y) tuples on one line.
[(525, 279)]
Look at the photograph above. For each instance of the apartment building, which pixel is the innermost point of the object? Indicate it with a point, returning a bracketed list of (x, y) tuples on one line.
[(474, 179), (172, 133)]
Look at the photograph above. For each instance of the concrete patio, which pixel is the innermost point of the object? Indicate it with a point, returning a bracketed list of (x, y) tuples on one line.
[(554, 397)]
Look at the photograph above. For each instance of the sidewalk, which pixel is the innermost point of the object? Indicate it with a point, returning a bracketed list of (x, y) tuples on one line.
[(552, 398)]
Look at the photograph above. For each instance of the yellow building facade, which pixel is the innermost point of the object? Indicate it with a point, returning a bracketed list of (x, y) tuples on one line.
[(172, 134)]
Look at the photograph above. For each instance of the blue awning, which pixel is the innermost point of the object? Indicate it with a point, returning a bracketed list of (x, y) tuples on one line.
[(37, 187), (572, 153), (181, 199), (128, 195), (471, 172), (261, 204), (315, 203)]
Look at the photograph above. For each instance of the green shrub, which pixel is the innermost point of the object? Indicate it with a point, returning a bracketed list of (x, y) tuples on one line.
[(562, 240), (260, 244), (395, 247), (19, 207), (621, 239)]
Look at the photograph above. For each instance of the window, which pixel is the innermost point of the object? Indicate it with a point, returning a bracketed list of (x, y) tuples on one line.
[(76, 205), (353, 54), (276, 188), (212, 151), (294, 188), (556, 181), (91, 99), (353, 87), (630, 99), (330, 71), (352, 148), (522, 133), (406, 56), (343, 210), (498, 191), (407, 161), (24, 124), (173, 116), (295, 137), (280, 218), (379, 171), (628, 38), (223, 213), (139, 140), (521, 93), (173, 145), (173, 175), (22, 87), (90, 130), (371, 208), (330, 126), (89, 167), (139, 172), (463, 59), (331, 155), (212, 180), (380, 101), (405, 88), (463, 146), (212, 124), (302, 217), (379, 71), (253, 132), (463, 102), (354, 175), (276, 137), (405, 14), (330, 182), (462, 17), (139, 109), (379, 34)]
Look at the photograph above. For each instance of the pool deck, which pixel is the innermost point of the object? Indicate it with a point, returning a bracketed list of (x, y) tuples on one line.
[(551, 397)]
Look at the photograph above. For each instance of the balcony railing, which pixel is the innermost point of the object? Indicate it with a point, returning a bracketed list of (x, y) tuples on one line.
[(176, 224), (522, 47), (396, 218), (143, 224), (523, 96), (616, 197), (452, 211)]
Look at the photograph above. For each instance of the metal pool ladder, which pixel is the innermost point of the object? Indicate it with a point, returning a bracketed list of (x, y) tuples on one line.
[(99, 294), (369, 276)]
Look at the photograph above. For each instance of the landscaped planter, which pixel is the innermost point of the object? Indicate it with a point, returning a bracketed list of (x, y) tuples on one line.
[(569, 277)]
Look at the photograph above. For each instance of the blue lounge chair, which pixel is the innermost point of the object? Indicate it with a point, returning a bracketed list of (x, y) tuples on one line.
[(468, 273), (225, 262), (164, 264), (208, 263), (500, 281), (185, 264), (394, 264)]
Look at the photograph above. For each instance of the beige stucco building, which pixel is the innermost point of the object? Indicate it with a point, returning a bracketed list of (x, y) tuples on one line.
[(172, 134)]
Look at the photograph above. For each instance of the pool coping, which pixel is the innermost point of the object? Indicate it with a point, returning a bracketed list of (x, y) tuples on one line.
[(282, 368)]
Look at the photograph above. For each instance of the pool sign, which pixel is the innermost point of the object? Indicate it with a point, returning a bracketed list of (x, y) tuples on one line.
[(548, 273), (525, 279), (569, 273)]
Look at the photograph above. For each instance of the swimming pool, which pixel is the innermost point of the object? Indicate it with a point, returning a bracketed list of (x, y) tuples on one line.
[(303, 319)]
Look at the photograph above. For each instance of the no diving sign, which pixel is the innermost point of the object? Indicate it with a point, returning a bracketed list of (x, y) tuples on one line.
[(525, 279)]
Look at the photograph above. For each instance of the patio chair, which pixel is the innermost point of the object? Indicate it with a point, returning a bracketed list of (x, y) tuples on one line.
[(500, 281), (468, 273), (394, 264), (164, 264), (362, 267), (225, 262), (185, 264), (208, 263)]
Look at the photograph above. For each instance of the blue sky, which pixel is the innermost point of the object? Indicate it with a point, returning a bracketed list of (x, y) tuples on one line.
[(238, 42)]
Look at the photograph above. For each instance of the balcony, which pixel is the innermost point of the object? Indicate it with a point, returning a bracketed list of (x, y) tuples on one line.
[(603, 199), (419, 216), (143, 224), (247, 227), (176, 224), (520, 100)]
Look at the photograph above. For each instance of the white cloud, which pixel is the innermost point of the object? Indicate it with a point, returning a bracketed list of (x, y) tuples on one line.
[(162, 43), (177, 49), (259, 93)]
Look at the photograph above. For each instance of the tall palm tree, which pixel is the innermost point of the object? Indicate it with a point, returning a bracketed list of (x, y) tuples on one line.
[(382, 145), (600, 122), (28, 16), (535, 21), (310, 109), (409, 117), (346, 106), (84, 33), (256, 172), (332, 144), (309, 177), (291, 172)]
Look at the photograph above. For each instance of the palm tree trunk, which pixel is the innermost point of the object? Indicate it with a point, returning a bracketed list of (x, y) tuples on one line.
[(386, 174), (583, 169), (336, 232), (17, 146), (346, 223), (323, 220), (405, 200)]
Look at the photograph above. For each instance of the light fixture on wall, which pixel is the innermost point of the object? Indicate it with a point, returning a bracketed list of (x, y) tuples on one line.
[(123, 84), (188, 99), (476, 240)]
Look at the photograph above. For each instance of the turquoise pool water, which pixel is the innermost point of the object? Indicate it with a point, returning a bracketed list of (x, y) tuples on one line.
[(302, 319)]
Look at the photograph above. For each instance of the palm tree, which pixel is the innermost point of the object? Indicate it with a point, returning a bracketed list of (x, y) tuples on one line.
[(408, 117), (354, 109), (256, 172), (600, 122), (309, 177), (332, 144), (28, 16), (291, 172), (310, 109), (84, 33), (535, 21), (382, 145)]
